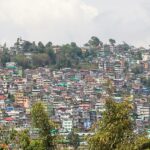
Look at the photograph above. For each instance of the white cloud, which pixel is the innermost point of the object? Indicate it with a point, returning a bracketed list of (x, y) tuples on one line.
[(62, 21), (89, 11)]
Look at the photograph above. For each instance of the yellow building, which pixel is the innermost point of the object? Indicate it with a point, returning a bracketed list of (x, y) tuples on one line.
[(18, 95), (21, 99)]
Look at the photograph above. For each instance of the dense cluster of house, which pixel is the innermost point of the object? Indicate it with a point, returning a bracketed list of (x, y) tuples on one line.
[(75, 98)]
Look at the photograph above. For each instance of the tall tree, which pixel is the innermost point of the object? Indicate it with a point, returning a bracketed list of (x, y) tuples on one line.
[(5, 57), (112, 42), (69, 56), (21, 60), (115, 130), (24, 140), (41, 47), (49, 45), (41, 121), (26, 46), (125, 46), (40, 60), (49, 50), (94, 41), (17, 43)]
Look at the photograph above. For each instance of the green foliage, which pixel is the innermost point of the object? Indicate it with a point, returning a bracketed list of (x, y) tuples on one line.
[(146, 81), (13, 135), (94, 41), (11, 97), (5, 57), (24, 140), (29, 47), (69, 55), (138, 56), (32, 47), (41, 121), (25, 143), (26, 46), (21, 60), (49, 50), (41, 47), (139, 142), (49, 45), (36, 145), (73, 139), (125, 46), (115, 130), (112, 41), (39, 60), (138, 69)]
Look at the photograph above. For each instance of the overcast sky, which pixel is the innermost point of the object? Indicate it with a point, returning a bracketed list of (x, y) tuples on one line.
[(64, 21)]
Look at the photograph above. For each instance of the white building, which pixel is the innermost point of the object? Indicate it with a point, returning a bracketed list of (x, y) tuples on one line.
[(67, 124)]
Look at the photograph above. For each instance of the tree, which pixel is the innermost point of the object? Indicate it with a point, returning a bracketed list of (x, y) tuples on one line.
[(22, 61), (74, 139), (49, 45), (5, 57), (126, 65), (11, 97), (51, 55), (36, 145), (125, 46), (41, 47), (115, 130), (40, 60), (24, 140), (146, 81), (41, 121), (138, 69), (26, 46), (94, 41), (49, 50), (33, 47), (139, 55), (26, 143), (29, 47), (112, 42), (17, 43), (69, 55)]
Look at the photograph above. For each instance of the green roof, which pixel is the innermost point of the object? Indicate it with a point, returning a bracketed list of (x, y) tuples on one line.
[(62, 84), (11, 67), (74, 79)]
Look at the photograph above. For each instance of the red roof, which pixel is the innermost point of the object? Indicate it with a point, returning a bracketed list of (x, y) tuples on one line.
[(9, 119), (2, 97)]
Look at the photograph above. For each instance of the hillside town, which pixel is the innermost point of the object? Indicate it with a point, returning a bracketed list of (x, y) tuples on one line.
[(74, 97)]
